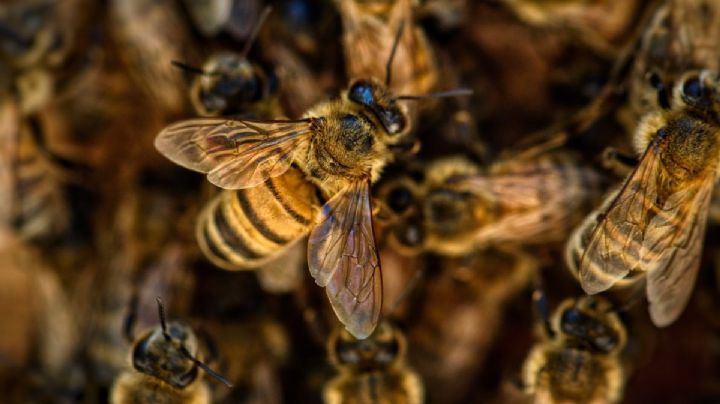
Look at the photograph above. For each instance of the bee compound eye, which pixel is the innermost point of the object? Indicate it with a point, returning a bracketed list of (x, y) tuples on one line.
[(692, 88)]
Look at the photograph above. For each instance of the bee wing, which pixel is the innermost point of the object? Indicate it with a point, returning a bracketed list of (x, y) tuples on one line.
[(646, 228), (342, 257), (669, 287), (235, 154)]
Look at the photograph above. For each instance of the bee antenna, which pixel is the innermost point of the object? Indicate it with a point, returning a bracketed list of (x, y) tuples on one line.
[(190, 69), (205, 367), (396, 41), (458, 92), (161, 314), (256, 29)]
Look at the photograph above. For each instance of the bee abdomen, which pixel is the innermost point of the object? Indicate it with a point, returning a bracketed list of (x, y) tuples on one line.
[(247, 227), (38, 208)]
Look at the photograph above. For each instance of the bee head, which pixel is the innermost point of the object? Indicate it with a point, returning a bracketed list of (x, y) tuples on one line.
[(379, 101), (161, 353), (381, 349), (697, 90), (228, 81), (591, 322)]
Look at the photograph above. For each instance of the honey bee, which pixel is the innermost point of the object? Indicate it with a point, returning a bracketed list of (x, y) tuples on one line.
[(33, 200), (451, 340), (653, 227), (39, 342), (372, 370), (460, 208), (149, 34), (578, 358), (602, 25), (278, 167), (229, 84), (368, 30), (166, 368), (682, 35)]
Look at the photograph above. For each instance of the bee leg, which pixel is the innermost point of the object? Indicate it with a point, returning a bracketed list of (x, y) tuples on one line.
[(618, 162)]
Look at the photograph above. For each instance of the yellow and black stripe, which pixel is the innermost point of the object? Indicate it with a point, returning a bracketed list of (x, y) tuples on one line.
[(246, 228), (38, 206)]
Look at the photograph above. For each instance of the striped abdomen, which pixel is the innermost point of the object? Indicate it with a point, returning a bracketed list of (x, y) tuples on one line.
[(248, 227), (36, 204)]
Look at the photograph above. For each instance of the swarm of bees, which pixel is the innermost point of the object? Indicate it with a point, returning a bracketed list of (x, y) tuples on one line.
[(401, 201)]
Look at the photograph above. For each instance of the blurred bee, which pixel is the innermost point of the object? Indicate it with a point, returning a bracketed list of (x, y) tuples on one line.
[(368, 31), (372, 370), (682, 35), (39, 343), (229, 84), (457, 208), (34, 32), (653, 227), (577, 359), (451, 340), (149, 34), (166, 368), (33, 201), (602, 25), (278, 167)]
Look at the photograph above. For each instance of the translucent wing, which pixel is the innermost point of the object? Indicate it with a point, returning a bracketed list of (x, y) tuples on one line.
[(669, 288), (343, 258), (650, 224), (235, 154)]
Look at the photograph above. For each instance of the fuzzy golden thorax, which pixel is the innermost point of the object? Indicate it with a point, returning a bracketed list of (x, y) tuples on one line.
[(352, 136), (687, 134)]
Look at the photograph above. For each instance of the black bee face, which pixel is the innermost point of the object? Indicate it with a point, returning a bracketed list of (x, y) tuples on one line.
[(379, 350), (164, 358), (378, 100)]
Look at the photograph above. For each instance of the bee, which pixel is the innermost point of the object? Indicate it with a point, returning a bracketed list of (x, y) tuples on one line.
[(166, 368), (39, 344), (451, 340), (281, 170), (578, 358), (460, 208), (149, 34), (681, 35), (653, 226), (33, 198), (229, 84), (602, 25), (368, 30), (372, 370)]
